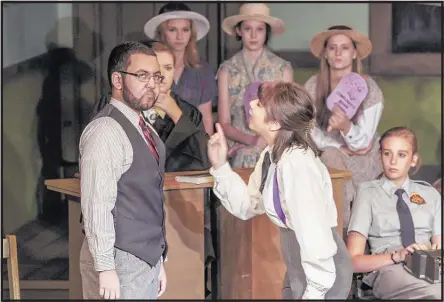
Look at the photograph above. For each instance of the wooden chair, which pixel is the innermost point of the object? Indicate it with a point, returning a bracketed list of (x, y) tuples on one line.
[(10, 252)]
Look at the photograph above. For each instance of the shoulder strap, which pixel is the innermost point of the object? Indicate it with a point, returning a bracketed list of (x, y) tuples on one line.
[(424, 183)]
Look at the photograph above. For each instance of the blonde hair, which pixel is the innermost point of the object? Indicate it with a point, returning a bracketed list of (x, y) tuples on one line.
[(191, 56), (161, 47), (408, 135), (323, 89)]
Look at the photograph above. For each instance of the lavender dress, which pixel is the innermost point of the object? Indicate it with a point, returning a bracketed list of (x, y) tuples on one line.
[(197, 86)]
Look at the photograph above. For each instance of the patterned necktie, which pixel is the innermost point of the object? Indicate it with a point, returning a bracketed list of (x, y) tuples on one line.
[(276, 198), (151, 143), (405, 220)]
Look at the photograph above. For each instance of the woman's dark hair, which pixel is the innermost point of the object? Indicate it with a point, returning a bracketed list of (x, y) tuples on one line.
[(119, 58)]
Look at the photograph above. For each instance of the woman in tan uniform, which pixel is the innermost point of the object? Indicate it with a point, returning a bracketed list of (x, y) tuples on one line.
[(395, 215)]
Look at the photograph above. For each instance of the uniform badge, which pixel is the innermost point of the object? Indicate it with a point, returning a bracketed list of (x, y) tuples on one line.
[(416, 198)]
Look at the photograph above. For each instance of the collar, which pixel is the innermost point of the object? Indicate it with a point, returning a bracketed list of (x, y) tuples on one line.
[(268, 152), (129, 113), (152, 114), (390, 189)]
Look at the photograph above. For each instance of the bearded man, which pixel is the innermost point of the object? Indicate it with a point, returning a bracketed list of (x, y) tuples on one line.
[(122, 162)]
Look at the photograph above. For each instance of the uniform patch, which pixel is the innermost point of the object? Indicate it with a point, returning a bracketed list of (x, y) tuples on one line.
[(416, 198)]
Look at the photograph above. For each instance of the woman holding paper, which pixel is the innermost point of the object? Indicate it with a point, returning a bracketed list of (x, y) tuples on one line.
[(349, 141)]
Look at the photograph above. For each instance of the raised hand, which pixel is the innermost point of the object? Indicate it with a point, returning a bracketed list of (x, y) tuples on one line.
[(167, 104), (217, 148), (338, 121)]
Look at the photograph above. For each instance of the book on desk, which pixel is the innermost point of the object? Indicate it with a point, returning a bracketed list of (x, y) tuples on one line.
[(195, 179)]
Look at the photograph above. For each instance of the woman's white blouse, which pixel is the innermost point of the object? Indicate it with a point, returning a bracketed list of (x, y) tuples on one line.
[(306, 195)]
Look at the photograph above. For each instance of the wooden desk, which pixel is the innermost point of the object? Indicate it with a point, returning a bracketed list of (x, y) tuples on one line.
[(184, 206), (240, 241), (251, 265)]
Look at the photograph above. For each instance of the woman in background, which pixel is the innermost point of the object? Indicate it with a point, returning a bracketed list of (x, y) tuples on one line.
[(194, 80), (253, 63), (346, 144)]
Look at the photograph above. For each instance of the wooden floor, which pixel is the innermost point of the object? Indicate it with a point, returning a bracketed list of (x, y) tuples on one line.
[(36, 294), (42, 251)]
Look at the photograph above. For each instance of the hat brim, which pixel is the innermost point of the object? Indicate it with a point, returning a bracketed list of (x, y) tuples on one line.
[(276, 24), (363, 44), (200, 23)]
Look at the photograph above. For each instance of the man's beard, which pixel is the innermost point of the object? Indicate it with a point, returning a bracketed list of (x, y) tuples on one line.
[(136, 103)]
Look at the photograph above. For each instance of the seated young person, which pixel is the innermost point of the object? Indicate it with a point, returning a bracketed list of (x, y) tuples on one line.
[(396, 215)]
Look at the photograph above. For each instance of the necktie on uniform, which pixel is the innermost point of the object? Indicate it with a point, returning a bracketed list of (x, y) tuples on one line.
[(405, 220), (147, 133), (276, 198)]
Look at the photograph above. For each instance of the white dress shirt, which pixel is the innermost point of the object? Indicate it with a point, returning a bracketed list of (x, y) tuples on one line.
[(307, 201), (105, 154)]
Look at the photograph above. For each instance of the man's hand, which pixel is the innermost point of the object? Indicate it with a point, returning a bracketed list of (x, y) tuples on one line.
[(162, 281), (436, 246), (109, 285), (169, 105)]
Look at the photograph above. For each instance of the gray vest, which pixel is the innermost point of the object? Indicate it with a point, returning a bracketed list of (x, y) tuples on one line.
[(139, 217)]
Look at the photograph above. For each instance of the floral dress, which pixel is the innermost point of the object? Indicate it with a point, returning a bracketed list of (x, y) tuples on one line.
[(241, 73)]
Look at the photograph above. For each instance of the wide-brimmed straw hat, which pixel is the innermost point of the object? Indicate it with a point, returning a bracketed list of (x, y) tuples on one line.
[(256, 12), (177, 10), (362, 42)]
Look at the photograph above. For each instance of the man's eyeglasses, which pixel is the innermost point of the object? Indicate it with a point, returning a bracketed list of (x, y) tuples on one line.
[(145, 77)]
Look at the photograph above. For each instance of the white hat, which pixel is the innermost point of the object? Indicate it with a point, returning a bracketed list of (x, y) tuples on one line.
[(177, 10), (257, 12)]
